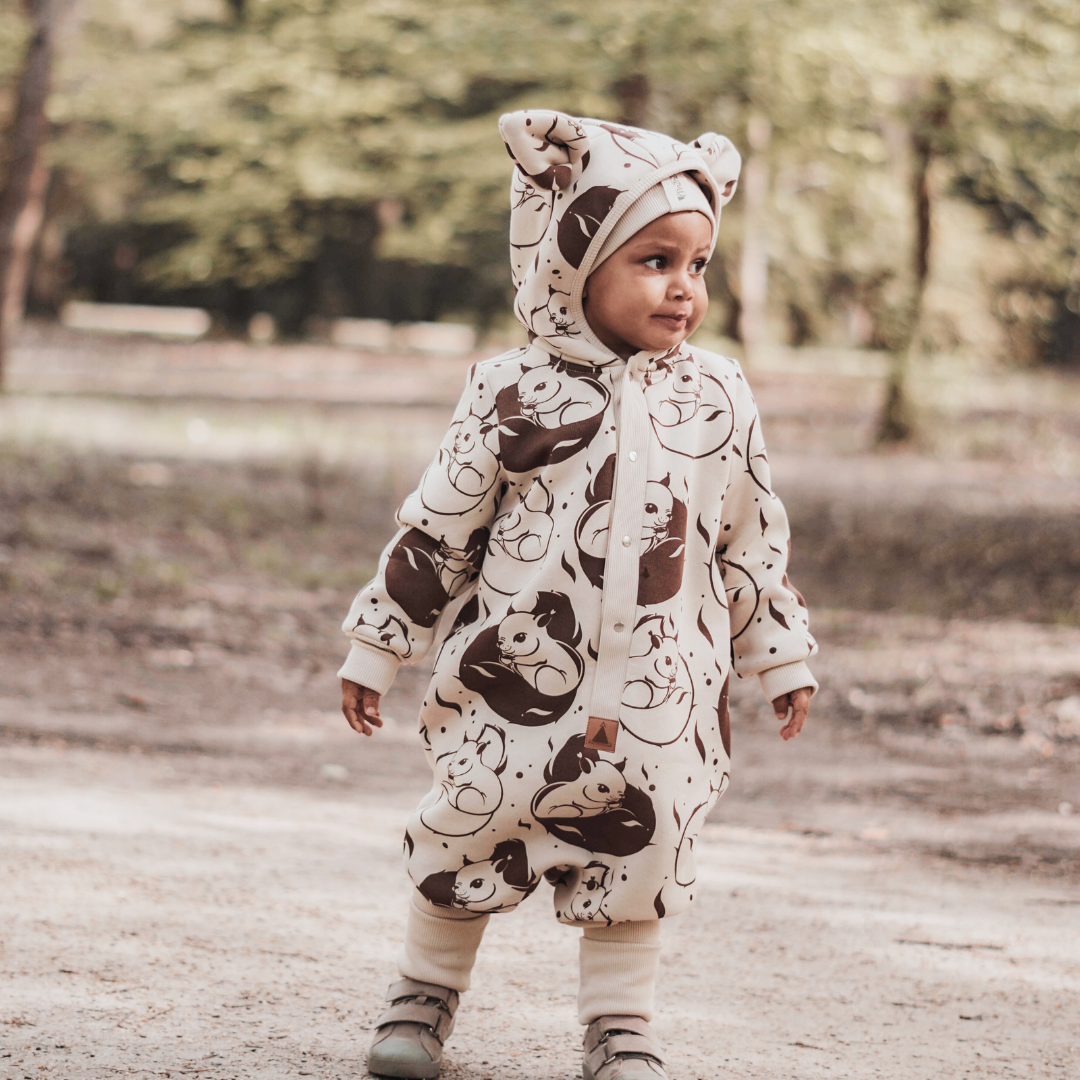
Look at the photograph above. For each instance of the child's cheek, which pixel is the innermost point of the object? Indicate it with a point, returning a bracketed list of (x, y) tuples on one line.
[(701, 306), (653, 294)]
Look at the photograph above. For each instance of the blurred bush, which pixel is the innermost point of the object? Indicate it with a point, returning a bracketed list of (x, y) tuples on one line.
[(77, 528), (341, 157)]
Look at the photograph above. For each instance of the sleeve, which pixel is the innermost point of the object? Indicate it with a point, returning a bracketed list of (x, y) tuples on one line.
[(770, 634), (437, 552)]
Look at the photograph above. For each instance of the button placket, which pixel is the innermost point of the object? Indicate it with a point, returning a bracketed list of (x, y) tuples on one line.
[(622, 558)]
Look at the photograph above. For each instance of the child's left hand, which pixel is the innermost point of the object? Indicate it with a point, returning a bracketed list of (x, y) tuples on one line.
[(798, 704)]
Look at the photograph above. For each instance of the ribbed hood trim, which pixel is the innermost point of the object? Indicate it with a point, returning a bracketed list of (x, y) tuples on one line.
[(621, 206)]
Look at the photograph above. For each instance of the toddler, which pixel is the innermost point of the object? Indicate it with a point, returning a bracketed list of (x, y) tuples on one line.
[(595, 548)]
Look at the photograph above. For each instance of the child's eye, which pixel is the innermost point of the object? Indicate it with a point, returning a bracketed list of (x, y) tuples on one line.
[(698, 266), (655, 262)]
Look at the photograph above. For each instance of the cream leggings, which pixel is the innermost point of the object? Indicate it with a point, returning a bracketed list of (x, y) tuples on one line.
[(618, 963)]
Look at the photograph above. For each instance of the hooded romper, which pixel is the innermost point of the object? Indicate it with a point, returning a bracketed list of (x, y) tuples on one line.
[(605, 539)]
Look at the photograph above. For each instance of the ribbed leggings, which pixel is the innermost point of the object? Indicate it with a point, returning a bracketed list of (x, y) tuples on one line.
[(618, 964)]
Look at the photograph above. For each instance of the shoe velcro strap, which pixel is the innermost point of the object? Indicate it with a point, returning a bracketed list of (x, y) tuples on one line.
[(597, 1059), (624, 1023), (603, 1029), (411, 988), (631, 1044), (431, 1016)]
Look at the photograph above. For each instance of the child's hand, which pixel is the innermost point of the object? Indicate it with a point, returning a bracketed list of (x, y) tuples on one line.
[(360, 706), (798, 703)]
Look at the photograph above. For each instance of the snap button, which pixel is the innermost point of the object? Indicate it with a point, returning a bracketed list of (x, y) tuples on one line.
[(626, 541), (632, 455), (618, 627)]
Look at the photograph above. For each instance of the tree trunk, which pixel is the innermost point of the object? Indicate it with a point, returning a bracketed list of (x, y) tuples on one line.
[(23, 236), (633, 93), (17, 215), (895, 423), (754, 263)]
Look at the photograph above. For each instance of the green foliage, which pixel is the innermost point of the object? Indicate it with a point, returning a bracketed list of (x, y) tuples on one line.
[(248, 131), (14, 31)]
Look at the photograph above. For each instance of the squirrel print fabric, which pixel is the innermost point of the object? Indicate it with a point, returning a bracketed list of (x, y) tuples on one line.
[(606, 533)]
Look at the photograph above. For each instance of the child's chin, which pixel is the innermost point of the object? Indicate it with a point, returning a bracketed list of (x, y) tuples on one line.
[(662, 340)]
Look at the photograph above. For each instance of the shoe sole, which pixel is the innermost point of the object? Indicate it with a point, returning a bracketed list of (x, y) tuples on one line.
[(588, 1074), (402, 1070)]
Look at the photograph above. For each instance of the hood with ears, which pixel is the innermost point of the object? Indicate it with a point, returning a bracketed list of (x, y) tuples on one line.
[(574, 179)]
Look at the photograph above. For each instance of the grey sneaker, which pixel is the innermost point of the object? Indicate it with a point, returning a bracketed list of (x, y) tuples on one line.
[(409, 1036), (621, 1048)]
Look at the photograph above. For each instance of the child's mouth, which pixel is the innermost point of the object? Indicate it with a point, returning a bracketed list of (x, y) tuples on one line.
[(674, 322)]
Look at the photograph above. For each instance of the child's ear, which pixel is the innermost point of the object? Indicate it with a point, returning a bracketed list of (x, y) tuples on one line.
[(545, 145), (723, 160)]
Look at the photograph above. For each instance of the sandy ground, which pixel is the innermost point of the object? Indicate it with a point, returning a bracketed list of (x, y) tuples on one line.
[(219, 894), (199, 862)]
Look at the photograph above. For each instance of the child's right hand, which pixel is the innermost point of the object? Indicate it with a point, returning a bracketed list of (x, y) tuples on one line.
[(360, 706)]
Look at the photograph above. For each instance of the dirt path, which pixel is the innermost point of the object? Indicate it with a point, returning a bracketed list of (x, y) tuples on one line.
[(225, 901), (199, 863)]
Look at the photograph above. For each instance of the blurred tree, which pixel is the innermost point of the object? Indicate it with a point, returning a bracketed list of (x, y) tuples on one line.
[(1017, 155), (254, 144), (22, 195)]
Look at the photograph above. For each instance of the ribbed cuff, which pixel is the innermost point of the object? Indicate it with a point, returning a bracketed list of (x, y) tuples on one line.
[(618, 970), (778, 681), (440, 945), (371, 667)]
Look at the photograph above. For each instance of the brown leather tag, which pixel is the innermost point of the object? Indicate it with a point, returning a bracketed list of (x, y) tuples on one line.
[(601, 734)]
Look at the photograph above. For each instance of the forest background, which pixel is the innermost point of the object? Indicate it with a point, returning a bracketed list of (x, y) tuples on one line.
[(203, 857), (911, 178)]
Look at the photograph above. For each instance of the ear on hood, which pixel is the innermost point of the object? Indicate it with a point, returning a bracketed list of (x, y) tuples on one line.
[(723, 160), (545, 145), (550, 147)]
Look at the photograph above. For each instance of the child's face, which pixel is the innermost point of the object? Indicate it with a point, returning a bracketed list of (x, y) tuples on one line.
[(650, 294)]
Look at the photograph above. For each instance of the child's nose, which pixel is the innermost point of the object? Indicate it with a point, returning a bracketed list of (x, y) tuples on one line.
[(682, 286)]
